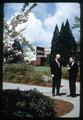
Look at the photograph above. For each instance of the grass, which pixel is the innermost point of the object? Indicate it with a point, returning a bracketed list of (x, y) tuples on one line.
[(43, 69)]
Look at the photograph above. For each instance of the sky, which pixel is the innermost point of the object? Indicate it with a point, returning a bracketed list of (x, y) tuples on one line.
[(42, 20)]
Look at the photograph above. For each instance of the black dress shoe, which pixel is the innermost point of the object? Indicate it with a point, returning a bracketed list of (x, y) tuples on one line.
[(69, 95), (57, 94), (73, 95), (53, 95)]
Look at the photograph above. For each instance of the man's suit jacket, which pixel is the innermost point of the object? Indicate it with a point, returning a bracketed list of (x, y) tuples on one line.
[(73, 71), (55, 69)]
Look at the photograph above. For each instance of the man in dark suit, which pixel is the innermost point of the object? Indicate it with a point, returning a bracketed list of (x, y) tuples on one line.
[(56, 74), (73, 70)]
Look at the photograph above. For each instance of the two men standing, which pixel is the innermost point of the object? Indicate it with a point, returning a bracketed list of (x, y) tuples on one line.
[(56, 71)]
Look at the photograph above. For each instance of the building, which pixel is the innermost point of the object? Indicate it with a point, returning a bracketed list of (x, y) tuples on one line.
[(39, 56)]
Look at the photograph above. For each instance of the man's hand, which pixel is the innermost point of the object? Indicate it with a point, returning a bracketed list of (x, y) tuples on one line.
[(52, 75), (68, 67)]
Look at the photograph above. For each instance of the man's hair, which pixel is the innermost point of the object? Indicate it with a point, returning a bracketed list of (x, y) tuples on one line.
[(73, 57), (57, 55)]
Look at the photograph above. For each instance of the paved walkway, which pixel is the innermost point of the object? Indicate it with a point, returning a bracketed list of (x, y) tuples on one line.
[(48, 91)]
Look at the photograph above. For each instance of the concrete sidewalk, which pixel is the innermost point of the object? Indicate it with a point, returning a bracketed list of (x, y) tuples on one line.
[(48, 91)]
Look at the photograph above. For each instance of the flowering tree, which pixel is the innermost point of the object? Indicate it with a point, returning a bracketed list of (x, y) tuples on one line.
[(11, 36)]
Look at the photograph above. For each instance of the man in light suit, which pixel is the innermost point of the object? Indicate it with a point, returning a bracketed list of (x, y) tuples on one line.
[(56, 74), (73, 70)]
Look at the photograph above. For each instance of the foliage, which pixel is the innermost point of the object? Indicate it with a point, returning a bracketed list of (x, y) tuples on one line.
[(45, 70), (37, 76), (30, 104), (11, 32), (55, 36), (18, 72), (24, 73), (13, 53), (77, 23), (65, 44), (47, 61)]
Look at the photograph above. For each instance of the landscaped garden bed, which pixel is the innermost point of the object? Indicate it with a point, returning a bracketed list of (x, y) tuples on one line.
[(33, 75), (32, 104)]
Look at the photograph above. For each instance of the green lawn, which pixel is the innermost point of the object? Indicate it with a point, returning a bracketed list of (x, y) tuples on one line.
[(43, 69)]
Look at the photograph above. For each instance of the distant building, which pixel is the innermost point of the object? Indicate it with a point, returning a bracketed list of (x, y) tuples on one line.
[(39, 57)]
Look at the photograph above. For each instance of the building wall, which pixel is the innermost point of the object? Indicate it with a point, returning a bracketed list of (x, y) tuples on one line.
[(40, 56), (39, 61)]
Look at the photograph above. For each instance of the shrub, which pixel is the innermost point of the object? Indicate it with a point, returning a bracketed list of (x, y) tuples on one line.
[(17, 72), (24, 73), (64, 73), (30, 104), (37, 76), (43, 69), (21, 73)]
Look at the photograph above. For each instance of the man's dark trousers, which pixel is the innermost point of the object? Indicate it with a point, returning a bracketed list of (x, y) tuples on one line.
[(56, 70), (56, 83), (72, 85), (72, 78)]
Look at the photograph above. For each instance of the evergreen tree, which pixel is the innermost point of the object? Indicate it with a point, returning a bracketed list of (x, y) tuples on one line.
[(62, 28), (70, 40), (47, 60), (65, 45), (55, 35), (54, 39)]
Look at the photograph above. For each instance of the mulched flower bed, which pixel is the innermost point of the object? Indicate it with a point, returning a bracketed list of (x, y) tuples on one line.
[(62, 107)]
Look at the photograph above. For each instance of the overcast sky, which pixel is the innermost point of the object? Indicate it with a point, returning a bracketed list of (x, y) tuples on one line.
[(43, 19)]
